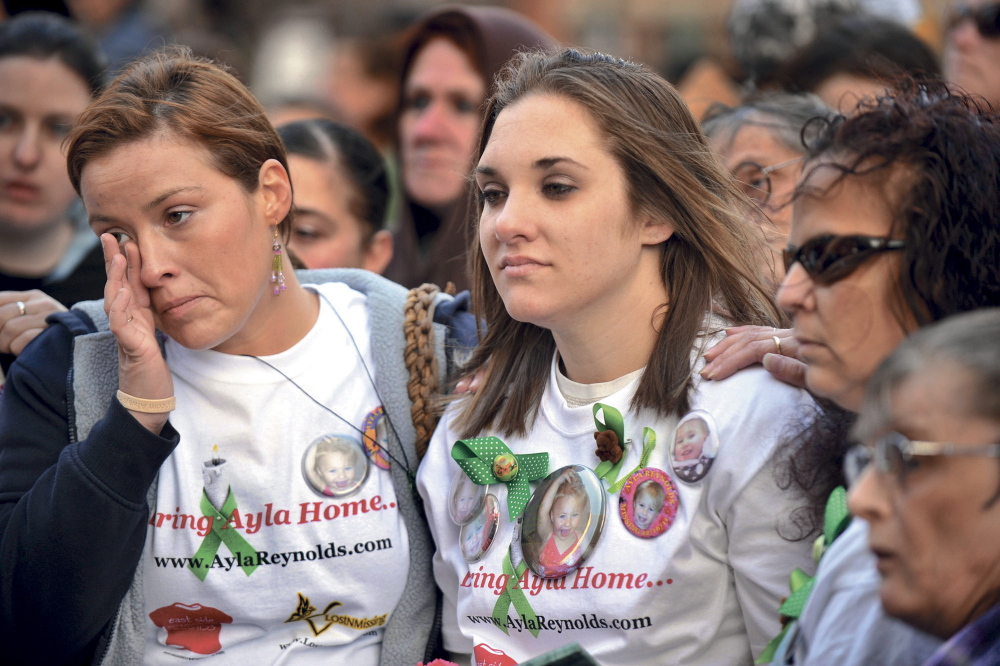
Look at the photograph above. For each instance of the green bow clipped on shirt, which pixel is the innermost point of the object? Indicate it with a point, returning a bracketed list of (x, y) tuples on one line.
[(836, 518), (488, 460), (614, 422)]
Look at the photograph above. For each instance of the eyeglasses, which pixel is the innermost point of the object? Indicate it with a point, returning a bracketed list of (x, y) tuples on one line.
[(986, 18), (755, 180), (896, 455), (830, 258)]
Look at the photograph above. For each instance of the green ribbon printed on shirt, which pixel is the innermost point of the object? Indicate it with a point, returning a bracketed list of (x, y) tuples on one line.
[(221, 533), (513, 595), (836, 518), (614, 422), (477, 456)]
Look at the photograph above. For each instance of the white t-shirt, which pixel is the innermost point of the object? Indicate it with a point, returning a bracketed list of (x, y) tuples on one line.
[(705, 591), (318, 573)]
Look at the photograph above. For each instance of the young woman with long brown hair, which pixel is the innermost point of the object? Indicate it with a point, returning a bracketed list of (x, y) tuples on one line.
[(613, 248)]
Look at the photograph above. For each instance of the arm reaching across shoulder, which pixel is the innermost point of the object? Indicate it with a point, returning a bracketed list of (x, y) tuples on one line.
[(744, 346)]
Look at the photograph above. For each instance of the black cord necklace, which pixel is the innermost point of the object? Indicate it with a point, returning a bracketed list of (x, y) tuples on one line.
[(405, 462)]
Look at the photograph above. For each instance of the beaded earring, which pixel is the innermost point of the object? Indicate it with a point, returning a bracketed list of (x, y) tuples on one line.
[(277, 276)]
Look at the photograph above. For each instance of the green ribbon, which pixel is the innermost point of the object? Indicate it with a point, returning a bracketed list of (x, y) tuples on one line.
[(836, 518), (648, 444), (476, 457), (614, 422), (221, 534), (513, 595)]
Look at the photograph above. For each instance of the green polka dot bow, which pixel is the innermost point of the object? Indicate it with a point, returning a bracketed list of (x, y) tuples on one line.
[(488, 460)]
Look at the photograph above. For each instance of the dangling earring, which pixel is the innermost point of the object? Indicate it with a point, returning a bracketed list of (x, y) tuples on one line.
[(277, 276)]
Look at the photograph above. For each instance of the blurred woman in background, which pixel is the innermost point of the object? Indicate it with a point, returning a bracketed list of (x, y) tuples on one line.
[(760, 142), (341, 195), (449, 64), (49, 259)]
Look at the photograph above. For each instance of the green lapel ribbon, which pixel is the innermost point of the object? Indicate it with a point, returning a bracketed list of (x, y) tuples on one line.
[(222, 534), (648, 444), (488, 460), (836, 518), (513, 595), (614, 422)]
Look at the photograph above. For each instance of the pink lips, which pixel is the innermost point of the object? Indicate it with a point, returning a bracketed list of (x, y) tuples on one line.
[(519, 266)]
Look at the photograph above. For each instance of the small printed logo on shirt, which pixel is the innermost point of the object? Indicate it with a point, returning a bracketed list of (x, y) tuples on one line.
[(488, 656), (194, 627), (320, 622)]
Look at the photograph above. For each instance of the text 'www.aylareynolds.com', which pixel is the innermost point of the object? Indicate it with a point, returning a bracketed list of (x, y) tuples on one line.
[(541, 623), (264, 558)]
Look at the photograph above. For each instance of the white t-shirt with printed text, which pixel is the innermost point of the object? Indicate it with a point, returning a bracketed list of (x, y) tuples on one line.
[(706, 591), (314, 577)]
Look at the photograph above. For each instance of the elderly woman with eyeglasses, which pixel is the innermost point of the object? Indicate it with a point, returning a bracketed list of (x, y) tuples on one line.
[(895, 225), (760, 143), (930, 420)]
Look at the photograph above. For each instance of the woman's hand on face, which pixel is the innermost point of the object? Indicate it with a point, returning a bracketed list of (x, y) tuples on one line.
[(142, 370), (746, 345), (16, 329)]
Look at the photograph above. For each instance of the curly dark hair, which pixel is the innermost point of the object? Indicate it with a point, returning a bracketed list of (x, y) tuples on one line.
[(942, 149)]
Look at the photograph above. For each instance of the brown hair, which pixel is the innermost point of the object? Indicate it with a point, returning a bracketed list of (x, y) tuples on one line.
[(170, 90), (672, 175)]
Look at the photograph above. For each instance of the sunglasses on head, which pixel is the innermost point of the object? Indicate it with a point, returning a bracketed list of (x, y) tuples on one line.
[(985, 17), (830, 258)]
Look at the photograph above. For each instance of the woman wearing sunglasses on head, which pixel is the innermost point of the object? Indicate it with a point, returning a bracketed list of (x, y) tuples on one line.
[(895, 225), (930, 424)]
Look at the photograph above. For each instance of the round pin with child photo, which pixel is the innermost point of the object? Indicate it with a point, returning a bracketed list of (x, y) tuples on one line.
[(465, 499), (693, 447), (335, 465), (563, 521), (477, 536), (648, 503)]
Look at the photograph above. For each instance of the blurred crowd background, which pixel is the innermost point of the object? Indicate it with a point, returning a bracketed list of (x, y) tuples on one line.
[(341, 58)]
